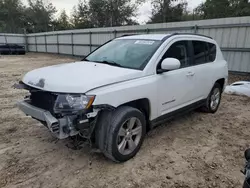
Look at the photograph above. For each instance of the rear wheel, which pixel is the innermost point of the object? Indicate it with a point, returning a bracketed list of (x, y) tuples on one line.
[(120, 134), (213, 100)]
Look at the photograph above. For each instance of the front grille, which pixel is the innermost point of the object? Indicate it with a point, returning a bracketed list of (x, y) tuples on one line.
[(43, 100)]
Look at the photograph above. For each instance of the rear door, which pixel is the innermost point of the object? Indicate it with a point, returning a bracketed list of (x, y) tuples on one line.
[(204, 55)]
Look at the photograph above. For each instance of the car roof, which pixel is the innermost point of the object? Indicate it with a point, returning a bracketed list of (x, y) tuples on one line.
[(159, 36)]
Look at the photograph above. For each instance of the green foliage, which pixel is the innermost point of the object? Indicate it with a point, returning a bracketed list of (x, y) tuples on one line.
[(40, 16), (168, 11), (62, 23), (223, 8), (80, 17), (12, 19), (106, 13)]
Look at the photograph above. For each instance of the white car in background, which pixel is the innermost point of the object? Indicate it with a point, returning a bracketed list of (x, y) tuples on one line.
[(126, 87)]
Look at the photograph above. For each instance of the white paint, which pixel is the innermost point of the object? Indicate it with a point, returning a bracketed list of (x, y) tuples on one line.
[(239, 88), (78, 77), (115, 86), (170, 64), (175, 85)]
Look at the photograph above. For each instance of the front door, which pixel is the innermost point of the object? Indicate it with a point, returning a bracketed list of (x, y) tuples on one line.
[(176, 88)]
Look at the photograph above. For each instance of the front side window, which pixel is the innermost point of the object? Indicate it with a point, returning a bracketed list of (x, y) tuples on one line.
[(126, 53), (179, 50)]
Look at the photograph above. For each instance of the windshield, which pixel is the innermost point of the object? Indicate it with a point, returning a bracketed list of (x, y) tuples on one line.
[(126, 53)]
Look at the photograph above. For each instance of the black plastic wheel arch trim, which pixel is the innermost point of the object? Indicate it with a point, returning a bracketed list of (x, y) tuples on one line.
[(104, 107)]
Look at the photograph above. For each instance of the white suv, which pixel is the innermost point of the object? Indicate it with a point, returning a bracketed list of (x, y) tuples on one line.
[(126, 87)]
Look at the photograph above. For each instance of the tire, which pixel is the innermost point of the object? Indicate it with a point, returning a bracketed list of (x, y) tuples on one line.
[(247, 155), (110, 127), (209, 107)]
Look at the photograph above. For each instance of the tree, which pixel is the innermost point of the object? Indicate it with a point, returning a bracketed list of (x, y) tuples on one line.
[(214, 9), (106, 13), (62, 23), (80, 17), (223, 8), (240, 7), (12, 16), (40, 16), (168, 10)]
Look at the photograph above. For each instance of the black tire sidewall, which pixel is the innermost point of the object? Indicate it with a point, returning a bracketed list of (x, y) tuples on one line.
[(129, 114)]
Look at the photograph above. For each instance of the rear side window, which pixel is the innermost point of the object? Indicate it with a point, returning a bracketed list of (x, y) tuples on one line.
[(204, 52), (212, 52)]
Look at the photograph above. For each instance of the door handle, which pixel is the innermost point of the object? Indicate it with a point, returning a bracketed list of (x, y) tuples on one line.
[(190, 74)]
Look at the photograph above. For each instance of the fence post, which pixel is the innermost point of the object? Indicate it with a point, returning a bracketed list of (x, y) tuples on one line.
[(36, 42), (45, 40), (72, 43), (115, 33), (57, 43), (26, 40), (195, 29), (5, 37), (90, 41)]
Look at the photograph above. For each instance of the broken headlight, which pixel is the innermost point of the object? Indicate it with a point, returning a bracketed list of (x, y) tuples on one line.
[(66, 103)]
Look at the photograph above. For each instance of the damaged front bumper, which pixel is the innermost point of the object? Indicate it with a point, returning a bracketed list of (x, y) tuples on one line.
[(69, 125)]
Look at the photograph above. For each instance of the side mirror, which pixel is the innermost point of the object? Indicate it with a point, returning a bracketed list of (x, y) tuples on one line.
[(169, 64)]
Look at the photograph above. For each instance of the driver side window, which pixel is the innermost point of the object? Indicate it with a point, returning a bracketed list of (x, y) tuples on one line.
[(179, 50)]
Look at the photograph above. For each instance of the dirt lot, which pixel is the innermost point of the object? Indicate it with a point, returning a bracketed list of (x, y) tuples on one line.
[(197, 150)]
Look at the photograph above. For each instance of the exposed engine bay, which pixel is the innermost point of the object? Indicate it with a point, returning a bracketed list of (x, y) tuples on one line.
[(40, 105)]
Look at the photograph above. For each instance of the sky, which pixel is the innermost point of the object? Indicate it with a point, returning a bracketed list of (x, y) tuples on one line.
[(144, 11)]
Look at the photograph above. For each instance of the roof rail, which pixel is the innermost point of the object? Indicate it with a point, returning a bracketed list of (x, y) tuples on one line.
[(168, 36), (127, 35), (192, 34)]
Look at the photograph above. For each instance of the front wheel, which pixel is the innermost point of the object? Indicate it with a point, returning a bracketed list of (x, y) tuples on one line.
[(213, 100), (120, 134)]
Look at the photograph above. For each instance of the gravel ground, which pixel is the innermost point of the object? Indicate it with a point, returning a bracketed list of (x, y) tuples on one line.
[(196, 150)]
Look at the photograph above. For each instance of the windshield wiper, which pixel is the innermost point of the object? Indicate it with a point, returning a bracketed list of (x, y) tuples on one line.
[(112, 63), (84, 59)]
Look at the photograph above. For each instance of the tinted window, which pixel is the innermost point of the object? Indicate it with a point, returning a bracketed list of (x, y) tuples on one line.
[(179, 50), (200, 52), (203, 52), (212, 52)]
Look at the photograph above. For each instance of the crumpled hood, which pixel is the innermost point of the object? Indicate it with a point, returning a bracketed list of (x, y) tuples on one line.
[(78, 77)]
